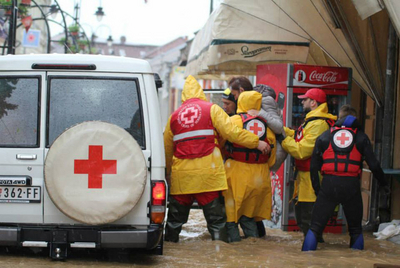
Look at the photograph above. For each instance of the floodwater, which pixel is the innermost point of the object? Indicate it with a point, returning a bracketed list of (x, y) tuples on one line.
[(277, 249)]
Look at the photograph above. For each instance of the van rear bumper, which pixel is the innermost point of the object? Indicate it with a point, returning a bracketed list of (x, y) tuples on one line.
[(43, 236)]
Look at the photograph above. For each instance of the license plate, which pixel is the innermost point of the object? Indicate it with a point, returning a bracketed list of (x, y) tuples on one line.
[(11, 194)]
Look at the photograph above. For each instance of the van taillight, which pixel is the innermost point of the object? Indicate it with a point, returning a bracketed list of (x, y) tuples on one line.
[(158, 201), (158, 195)]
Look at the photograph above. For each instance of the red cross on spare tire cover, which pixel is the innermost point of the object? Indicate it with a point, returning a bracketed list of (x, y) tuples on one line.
[(95, 172)]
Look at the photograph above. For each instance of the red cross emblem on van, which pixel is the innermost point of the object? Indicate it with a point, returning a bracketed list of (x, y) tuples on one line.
[(95, 166)]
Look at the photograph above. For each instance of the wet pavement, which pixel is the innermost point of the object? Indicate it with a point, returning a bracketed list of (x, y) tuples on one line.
[(277, 249)]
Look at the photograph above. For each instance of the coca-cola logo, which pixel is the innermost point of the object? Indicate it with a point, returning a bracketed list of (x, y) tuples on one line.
[(323, 77), (300, 76)]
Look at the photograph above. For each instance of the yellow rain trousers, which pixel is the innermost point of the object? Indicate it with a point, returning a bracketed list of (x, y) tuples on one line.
[(304, 148), (249, 185), (207, 173)]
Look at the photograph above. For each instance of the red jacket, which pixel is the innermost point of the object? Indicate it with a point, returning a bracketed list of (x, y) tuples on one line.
[(193, 130)]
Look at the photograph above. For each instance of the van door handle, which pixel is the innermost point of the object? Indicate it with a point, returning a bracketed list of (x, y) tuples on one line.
[(26, 156)]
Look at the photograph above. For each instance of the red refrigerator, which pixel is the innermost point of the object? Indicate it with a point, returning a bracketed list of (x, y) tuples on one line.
[(289, 81)]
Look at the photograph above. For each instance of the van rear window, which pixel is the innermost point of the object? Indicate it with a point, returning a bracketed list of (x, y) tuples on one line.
[(19, 111), (76, 100)]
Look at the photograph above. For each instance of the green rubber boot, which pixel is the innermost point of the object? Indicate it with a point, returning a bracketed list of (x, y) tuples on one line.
[(177, 216), (249, 226), (233, 232), (214, 212)]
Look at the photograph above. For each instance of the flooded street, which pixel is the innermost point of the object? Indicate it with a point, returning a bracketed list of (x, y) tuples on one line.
[(277, 249)]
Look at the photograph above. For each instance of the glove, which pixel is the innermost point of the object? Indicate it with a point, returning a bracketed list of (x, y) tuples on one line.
[(279, 138)]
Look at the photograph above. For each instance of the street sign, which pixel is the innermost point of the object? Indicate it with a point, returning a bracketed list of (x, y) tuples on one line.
[(31, 38)]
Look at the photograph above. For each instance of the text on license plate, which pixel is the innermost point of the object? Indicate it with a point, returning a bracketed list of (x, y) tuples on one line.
[(10, 194)]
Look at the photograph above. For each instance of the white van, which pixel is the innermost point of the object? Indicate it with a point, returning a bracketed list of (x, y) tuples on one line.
[(81, 153)]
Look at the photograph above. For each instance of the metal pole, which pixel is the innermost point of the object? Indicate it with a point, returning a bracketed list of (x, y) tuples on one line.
[(76, 13), (65, 26), (387, 138), (13, 28)]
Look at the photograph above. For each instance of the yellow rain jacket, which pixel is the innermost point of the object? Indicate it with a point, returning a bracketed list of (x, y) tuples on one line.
[(207, 173), (303, 149), (249, 185)]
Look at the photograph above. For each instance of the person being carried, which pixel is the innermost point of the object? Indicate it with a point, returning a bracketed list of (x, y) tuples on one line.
[(248, 198), (194, 165), (272, 114), (338, 155)]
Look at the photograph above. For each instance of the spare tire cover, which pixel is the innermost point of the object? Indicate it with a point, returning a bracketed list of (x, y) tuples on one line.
[(95, 172)]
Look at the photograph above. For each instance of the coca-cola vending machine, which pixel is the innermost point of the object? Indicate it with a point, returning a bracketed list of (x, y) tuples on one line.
[(289, 81)]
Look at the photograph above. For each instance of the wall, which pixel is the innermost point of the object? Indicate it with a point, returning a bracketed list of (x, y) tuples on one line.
[(370, 120)]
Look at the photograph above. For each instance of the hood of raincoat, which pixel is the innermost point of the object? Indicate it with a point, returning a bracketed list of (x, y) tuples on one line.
[(192, 90), (249, 100), (321, 111), (348, 121)]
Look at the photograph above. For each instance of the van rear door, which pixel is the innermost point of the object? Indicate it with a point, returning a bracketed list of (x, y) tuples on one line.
[(21, 147), (119, 99)]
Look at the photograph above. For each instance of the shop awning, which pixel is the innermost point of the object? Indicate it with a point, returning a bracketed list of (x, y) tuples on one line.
[(234, 42), (242, 34)]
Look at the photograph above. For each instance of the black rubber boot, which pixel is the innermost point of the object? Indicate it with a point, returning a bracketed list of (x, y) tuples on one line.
[(320, 239), (249, 226), (177, 216), (214, 212), (232, 229), (261, 228)]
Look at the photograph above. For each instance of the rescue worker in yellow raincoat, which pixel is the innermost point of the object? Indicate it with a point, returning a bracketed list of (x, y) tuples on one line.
[(194, 164), (248, 198), (300, 144)]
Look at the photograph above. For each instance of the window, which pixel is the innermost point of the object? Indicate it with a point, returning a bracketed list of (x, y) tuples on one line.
[(214, 96), (76, 100), (19, 111)]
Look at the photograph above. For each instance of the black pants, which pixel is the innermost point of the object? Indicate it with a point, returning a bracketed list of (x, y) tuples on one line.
[(338, 190), (302, 212)]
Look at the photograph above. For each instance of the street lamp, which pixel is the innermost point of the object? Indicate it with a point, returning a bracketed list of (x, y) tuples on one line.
[(99, 13), (102, 46), (109, 41)]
